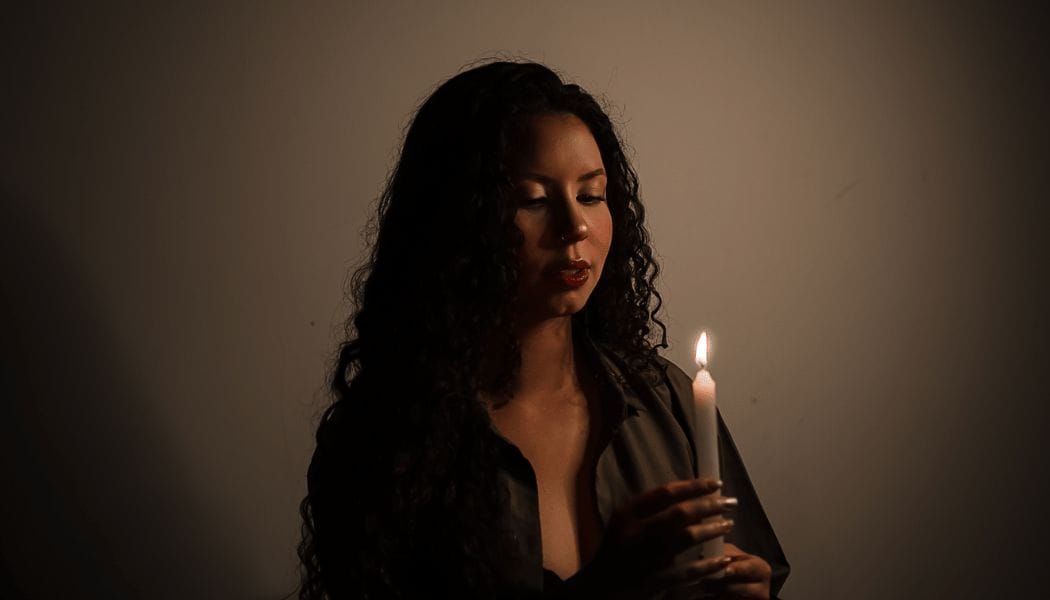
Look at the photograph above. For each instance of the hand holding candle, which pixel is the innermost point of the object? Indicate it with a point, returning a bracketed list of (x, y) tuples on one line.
[(705, 434)]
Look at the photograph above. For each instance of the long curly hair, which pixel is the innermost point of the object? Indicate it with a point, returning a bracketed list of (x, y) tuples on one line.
[(403, 499)]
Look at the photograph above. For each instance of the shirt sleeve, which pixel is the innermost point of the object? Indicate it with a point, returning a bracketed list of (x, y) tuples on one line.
[(753, 532)]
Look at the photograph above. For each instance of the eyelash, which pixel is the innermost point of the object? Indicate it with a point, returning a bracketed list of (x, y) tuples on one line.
[(588, 198)]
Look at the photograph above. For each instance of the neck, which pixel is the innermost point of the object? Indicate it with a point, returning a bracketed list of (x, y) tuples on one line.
[(548, 361)]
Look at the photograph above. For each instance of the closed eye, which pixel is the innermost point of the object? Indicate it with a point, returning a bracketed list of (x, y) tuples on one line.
[(538, 203), (533, 203)]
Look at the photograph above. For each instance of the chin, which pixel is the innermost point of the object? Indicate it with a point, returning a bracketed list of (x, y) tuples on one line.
[(570, 303), (551, 304)]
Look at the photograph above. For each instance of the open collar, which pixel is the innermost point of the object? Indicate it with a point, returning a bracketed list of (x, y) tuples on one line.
[(611, 374)]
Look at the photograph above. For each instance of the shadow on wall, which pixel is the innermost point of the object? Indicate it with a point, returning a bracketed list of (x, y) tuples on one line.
[(96, 504)]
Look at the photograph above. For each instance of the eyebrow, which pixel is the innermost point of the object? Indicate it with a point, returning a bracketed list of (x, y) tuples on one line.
[(543, 178)]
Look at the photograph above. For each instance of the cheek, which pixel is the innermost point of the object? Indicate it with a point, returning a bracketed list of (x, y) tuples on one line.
[(529, 253), (602, 232)]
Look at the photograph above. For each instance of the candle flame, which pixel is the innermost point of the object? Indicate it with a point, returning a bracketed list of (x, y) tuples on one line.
[(701, 350)]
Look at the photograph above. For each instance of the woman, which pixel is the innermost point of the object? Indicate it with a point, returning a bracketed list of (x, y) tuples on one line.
[(502, 424)]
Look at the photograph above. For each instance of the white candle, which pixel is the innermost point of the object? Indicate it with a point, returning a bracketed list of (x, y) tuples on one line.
[(706, 433)]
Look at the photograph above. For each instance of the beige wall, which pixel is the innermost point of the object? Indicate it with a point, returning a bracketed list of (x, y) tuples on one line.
[(847, 197)]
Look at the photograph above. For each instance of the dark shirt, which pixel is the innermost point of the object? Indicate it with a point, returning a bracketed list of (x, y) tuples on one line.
[(650, 444), (648, 432)]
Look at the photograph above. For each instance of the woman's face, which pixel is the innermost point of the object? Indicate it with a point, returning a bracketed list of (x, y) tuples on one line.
[(559, 183)]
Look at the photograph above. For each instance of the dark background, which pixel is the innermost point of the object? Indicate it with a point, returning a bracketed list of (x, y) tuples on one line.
[(849, 196)]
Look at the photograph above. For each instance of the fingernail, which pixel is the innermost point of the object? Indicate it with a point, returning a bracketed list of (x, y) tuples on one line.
[(727, 524), (727, 502), (725, 560)]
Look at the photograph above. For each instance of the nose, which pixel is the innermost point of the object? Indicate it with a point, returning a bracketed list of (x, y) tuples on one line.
[(574, 226), (577, 234)]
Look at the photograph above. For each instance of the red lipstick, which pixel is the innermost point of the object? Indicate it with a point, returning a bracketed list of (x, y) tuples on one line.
[(574, 273)]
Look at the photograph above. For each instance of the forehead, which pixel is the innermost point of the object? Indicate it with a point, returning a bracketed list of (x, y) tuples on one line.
[(554, 145)]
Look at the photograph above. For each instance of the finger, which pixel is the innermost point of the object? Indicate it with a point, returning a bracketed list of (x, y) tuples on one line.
[(695, 534), (745, 577), (658, 499), (686, 575), (747, 569), (690, 512)]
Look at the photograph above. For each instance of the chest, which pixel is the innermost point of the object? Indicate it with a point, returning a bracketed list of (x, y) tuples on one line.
[(554, 440), (561, 444)]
